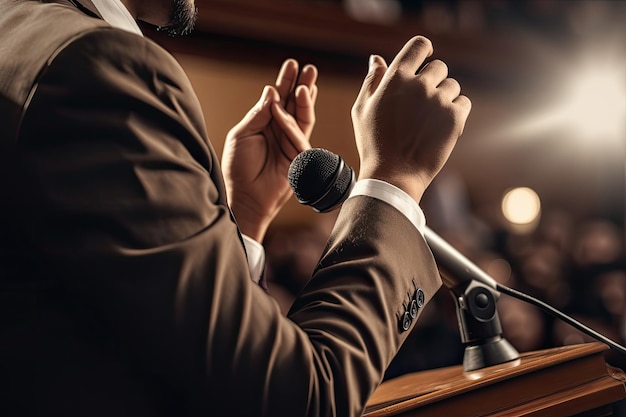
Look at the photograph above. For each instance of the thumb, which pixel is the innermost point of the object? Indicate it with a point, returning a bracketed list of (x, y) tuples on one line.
[(376, 70), (260, 114)]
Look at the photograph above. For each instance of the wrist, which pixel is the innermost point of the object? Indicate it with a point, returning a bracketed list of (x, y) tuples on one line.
[(412, 184), (250, 223)]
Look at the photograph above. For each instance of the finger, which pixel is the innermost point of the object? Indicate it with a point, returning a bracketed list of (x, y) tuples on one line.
[(260, 114), (449, 88), (412, 55), (464, 103), (308, 76), (376, 71), (286, 79), (465, 106), (294, 140), (434, 72), (313, 94), (305, 110)]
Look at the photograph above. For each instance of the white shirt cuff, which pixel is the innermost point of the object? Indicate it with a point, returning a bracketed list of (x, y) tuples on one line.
[(256, 257), (393, 196)]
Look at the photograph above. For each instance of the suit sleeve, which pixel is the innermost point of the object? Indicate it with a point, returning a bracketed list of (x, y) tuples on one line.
[(124, 209)]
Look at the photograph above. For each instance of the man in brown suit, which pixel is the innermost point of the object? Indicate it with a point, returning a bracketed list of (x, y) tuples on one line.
[(125, 289)]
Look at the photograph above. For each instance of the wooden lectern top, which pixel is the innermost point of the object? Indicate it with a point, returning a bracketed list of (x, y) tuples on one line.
[(563, 381)]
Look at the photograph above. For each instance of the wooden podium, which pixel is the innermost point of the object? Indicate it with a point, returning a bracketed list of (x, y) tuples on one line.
[(566, 381)]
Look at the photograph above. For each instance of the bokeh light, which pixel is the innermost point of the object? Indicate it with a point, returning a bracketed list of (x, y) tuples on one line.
[(521, 206)]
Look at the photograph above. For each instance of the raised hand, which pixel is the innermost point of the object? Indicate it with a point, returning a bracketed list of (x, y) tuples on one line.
[(406, 119), (260, 148)]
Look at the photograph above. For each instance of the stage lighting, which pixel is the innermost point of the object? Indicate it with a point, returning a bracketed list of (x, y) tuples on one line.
[(521, 206)]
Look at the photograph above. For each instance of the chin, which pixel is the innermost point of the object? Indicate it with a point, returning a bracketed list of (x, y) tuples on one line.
[(182, 19)]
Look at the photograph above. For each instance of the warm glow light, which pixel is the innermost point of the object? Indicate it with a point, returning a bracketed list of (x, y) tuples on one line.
[(588, 105), (521, 206), (596, 107)]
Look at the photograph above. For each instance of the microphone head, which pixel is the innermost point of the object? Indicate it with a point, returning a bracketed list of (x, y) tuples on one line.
[(320, 179)]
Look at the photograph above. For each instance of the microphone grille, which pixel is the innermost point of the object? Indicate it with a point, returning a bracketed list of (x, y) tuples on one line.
[(311, 173)]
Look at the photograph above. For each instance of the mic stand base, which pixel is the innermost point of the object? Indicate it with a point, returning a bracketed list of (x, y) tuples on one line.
[(493, 352)]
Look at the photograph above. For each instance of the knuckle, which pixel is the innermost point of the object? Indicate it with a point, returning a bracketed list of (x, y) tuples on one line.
[(440, 66), (466, 102), (458, 117), (439, 62)]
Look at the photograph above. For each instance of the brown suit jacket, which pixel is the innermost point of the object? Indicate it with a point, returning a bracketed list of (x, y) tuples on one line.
[(124, 287)]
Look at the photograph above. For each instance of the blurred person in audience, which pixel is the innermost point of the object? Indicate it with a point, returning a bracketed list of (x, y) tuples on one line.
[(597, 248), (610, 288), (524, 326), (556, 228), (597, 243), (543, 271)]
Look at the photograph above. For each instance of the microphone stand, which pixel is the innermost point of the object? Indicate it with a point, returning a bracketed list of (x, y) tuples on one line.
[(475, 294), (479, 326)]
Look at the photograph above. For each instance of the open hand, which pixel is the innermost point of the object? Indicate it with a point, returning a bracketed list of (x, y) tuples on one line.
[(260, 148)]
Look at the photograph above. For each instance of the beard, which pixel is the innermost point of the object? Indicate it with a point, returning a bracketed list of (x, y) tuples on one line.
[(182, 18)]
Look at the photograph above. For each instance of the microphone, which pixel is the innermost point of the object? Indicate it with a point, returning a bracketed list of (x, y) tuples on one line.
[(320, 179)]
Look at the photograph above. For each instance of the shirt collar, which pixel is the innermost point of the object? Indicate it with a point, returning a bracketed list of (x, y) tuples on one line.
[(117, 15)]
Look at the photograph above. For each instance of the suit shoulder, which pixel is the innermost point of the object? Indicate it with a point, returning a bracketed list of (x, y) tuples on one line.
[(108, 50), (107, 68), (32, 33), (38, 33)]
